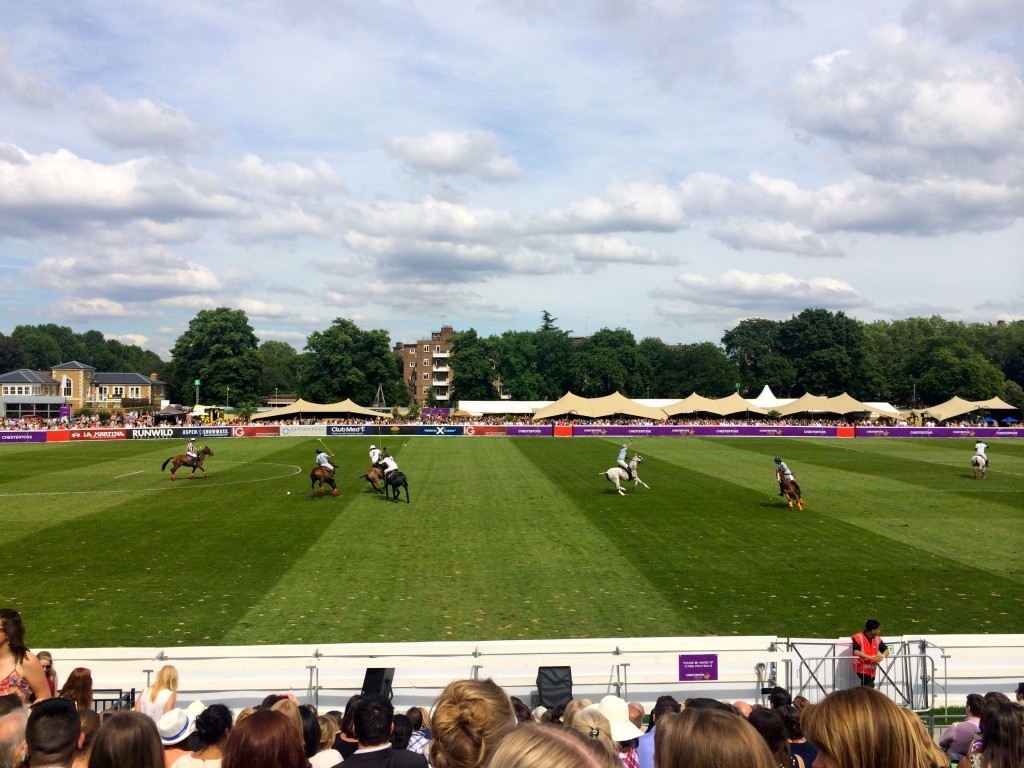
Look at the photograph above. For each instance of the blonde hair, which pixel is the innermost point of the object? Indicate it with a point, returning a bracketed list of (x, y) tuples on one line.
[(166, 678), (470, 719), (862, 728), (709, 738), (290, 709), (574, 706), (549, 745), (591, 724), (328, 729)]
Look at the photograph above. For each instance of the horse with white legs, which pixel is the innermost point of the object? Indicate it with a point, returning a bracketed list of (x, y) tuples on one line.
[(978, 465), (616, 474)]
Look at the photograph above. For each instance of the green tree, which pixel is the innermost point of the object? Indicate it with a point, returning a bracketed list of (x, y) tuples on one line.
[(345, 361), (41, 351), (705, 369), (280, 367), (754, 346), (609, 362), (826, 349), (473, 366), (220, 349), (945, 367), (12, 356)]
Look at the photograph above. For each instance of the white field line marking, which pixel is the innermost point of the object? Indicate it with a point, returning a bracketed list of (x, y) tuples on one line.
[(128, 474)]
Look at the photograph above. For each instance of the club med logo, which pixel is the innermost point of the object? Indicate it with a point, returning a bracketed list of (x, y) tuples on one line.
[(150, 434), (346, 430)]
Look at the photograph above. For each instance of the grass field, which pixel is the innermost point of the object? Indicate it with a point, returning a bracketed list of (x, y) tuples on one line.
[(508, 538)]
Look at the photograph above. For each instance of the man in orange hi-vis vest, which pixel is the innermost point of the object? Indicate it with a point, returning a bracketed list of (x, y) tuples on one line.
[(868, 651)]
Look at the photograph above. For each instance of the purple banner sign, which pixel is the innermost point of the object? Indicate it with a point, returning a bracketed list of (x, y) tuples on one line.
[(23, 437), (541, 430), (722, 430), (698, 667), (972, 432)]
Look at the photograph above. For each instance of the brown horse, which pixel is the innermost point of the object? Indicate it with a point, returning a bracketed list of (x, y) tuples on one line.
[(373, 476), (792, 492), (321, 475), (184, 460)]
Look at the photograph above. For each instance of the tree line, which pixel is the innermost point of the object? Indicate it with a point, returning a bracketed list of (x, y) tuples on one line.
[(912, 362)]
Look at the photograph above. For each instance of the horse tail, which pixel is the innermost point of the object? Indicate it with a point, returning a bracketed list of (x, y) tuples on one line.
[(165, 464)]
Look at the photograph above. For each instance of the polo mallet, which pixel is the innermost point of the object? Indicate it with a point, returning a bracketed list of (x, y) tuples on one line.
[(325, 446)]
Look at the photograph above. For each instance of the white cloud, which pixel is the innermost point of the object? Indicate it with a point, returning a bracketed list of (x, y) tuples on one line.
[(86, 308), (140, 124), (434, 219), (23, 86), (962, 20), (779, 236), (286, 179), (592, 250), (635, 207), (468, 153)]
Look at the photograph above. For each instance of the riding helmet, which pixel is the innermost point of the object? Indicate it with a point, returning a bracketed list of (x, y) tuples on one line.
[(373, 447), (778, 460)]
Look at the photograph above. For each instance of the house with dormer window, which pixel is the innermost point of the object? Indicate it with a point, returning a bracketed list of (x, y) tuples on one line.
[(26, 392)]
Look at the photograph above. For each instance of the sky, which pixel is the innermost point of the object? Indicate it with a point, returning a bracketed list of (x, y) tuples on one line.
[(666, 166)]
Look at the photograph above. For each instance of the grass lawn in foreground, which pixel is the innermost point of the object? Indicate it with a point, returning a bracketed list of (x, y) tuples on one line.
[(508, 538)]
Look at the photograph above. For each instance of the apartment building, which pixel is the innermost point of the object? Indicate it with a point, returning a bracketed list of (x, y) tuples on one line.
[(427, 367)]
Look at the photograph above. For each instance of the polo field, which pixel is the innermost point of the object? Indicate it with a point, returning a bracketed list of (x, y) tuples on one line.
[(509, 538)]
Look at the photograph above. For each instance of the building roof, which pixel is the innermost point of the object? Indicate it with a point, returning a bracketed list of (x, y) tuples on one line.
[(73, 365), (26, 376), (123, 378)]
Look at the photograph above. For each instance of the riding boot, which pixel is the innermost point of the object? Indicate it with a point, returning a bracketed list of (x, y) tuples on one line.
[(781, 492), (799, 493), (629, 474)]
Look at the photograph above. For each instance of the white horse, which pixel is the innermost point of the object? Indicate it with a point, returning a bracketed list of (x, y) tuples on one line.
[(615, 474), (978, 465)]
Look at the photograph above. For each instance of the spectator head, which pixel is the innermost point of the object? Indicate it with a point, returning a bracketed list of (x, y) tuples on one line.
[(570, 710), (791, 720), (310, 730), (996, 697), (1002, 734), (53, 732), (1019, 693), (46, 662), (617, 712), (78, 687), (90, 722), (10, 702), (523, 713), (328, 730), (709, 738), (742, 708), (265, 739), (595, 727), (127, 739), (12, 631), (401, 732), (349, 715), (872, 626), (290, 709), (779, 697), (470, 719), (373, 719), (700, 702), (636, 714), (862, 728), (770, 725), (546, 745), (167, 678), (801, 703), (975, 704), (213, 724), (12, 734), (663, 706), (415, 715)]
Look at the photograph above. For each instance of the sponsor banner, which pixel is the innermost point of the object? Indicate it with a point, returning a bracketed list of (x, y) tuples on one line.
[(58, 436), (204, 432), (266, 431), (151, 433), (438, 429), (97, 434), (303, 430), (972, 432), (340, 430), (34, 436), (698, 666), (484, 429), (396, 429), (608, 430), (540, 430), (563, 430)]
